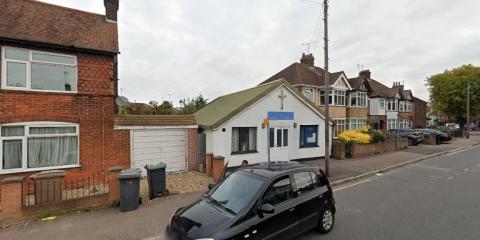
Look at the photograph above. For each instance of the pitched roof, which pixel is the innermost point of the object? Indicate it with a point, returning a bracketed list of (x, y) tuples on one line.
[(380, 90), (356, 82), (225, 107), (154, 120), (303, 74), (35, 21)]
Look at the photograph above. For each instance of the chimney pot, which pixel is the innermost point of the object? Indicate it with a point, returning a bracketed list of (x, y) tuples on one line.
[(111, 9), (308, 59)]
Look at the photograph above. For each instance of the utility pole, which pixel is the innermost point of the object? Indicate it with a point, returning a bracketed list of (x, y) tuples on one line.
[(327, 111), (468, 109)]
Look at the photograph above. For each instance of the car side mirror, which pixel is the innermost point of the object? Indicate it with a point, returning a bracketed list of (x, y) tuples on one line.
[(211, 186), (267, 208)]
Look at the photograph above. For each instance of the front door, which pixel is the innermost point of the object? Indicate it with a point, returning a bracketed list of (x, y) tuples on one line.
[(279, 142)]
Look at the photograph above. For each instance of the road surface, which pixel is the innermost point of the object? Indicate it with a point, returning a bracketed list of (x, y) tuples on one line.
[(435, 199)]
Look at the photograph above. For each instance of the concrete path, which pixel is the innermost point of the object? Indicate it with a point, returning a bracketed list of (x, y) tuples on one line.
[(150, 220)]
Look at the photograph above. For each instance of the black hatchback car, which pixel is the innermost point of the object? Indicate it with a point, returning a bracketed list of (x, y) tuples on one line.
[(259, 202)]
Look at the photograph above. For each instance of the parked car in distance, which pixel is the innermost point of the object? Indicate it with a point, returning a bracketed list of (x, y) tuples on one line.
[(440, 137), (414, 137), (259, 202)]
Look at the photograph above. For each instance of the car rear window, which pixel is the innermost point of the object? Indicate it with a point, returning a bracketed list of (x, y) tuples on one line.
[(281, 190), (304, 182)]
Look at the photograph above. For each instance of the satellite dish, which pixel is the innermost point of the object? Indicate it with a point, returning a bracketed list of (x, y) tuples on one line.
[(122, 101)]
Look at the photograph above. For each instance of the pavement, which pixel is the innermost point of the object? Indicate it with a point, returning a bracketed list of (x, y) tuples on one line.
[(436, 199), (150, 220)]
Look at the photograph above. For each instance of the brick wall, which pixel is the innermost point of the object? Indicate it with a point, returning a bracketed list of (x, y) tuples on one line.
[(92, 108), (338, 112), (357, 112), (121, 149), (420, 119), (192, 146)]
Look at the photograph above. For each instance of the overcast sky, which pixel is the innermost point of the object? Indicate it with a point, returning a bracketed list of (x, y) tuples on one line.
[(173, 49)]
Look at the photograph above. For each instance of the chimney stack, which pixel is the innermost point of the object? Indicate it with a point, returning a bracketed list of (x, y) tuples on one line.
[(308, 59), (111, 10), (365, 73)]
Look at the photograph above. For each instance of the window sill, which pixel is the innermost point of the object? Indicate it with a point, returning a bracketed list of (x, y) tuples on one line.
[(11, 171), (36, 91), (240, 153), (316, 146)]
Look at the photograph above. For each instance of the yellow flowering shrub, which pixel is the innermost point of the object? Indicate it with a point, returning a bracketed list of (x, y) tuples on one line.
[(355, 136)]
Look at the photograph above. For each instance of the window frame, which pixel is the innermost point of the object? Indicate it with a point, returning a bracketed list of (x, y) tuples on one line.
[(277, 180), (357, 123), (28, 63), (302, 133), (333, 96), (314, 184), (344, 126), (27, 135), (248, 151), (310, 91)]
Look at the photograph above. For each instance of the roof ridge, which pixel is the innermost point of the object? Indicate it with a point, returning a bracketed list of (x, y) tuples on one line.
[(64, 7)]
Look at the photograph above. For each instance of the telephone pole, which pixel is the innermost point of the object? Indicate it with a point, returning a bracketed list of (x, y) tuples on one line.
[(327, 111), (468, 109)]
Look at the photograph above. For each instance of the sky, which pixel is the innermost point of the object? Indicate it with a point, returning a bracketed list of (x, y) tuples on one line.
[(175, 49)]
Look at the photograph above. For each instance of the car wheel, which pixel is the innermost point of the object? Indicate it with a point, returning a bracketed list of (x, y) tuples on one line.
[(326, 221)]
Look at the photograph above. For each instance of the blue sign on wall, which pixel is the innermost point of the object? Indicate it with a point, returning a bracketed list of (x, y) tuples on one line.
[(280, 116)]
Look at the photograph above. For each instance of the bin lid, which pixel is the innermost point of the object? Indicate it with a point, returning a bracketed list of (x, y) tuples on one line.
[(130, 173), (156, 166)]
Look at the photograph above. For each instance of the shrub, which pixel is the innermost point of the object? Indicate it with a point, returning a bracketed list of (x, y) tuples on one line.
[(354, 136), (364, 135)]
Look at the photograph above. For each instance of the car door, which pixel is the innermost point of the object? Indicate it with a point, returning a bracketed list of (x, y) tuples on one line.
[(282, 224), (309, 199)]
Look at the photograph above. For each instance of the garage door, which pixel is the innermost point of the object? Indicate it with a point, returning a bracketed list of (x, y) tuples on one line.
[(162, 145)]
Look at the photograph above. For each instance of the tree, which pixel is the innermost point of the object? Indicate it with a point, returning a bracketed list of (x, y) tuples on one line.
[(166, 108), (189, 106), (448, 92)]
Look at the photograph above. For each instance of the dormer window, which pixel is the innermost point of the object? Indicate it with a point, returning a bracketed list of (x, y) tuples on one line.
[(24, 69)]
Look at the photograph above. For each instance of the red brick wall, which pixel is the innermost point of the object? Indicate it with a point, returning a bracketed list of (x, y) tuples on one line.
[(121, 148), (192, 136), (92, 108), (420, 120)]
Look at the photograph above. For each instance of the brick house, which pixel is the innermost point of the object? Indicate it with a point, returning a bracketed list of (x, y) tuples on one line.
[(309, 80), (358, 101), (420, 116), (58, 85), (390, 108)]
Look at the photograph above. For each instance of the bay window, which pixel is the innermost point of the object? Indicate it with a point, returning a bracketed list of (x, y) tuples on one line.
[(38, 71), (392, 124), (357, 123), (244, 139), (335, 97), (392, 105), (38, 146), (339, 127), (358, 99)]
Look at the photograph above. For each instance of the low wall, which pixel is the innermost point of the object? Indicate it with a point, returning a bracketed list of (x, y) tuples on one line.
[(355, 150), (16, 204), (430, 139)]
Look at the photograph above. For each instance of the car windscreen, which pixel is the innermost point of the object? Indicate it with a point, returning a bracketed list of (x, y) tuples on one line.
[(236, 191)]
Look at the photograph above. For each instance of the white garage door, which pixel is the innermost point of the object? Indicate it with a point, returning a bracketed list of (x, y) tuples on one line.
[(162, 145)]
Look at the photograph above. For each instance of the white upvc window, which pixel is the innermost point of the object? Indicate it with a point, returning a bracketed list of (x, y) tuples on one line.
[(340, 125), (32, 70), (309, 93), (382, 104), (392, 124), (356, 123), (392, 105), (405, 124), (36, 146), (358, 99), (335, 97), (409, 106)]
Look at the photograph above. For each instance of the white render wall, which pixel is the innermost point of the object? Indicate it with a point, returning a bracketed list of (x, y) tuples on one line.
[(253, 116), (374, 107)]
